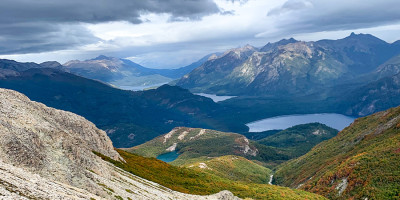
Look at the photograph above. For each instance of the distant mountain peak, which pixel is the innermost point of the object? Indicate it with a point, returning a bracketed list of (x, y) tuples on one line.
[(103, 57), (270, 45), (364, 37), (246, 47), (240, 51), (212, 57), (396, 43), (290, 40)]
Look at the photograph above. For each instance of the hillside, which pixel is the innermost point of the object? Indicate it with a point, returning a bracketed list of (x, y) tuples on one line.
[(234, 168), (125, 73), (128, 117), (373, 97), (194, 144), (48, 154), (197, 182), (115, 71), (361, 162), (200, 79), (290, 67), (300, 139)]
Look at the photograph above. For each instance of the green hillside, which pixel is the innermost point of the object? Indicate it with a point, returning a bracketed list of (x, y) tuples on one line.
[(194, 182), (233, 168), (361, 162), (193, 143), (301, 138)]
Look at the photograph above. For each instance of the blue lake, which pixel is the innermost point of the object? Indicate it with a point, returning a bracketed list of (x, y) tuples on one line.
[(333, 120), (168, 157), (214, 97), (140, 87)]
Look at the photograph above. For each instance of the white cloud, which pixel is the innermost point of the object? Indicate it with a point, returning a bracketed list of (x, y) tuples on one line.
[(164, 43)]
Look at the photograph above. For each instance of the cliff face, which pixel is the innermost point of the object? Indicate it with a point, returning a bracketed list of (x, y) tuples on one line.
[(52, 142), (48, 154)]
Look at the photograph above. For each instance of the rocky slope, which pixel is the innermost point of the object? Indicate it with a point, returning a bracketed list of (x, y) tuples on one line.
[(203, 78), (48, 154), (290, 67), (361, 162)]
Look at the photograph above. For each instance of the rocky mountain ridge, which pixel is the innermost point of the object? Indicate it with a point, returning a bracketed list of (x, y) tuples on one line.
[(48, 154), (290, 67)]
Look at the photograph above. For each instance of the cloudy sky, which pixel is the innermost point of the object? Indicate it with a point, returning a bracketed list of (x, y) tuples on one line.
[(173, 33)]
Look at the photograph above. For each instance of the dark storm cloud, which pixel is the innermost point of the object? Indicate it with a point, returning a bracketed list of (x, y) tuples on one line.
[(30, 26), (16, 11), (302, 16), (41, 37)]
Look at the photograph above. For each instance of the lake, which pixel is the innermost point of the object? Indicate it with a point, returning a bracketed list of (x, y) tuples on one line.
[(168, 157), (214, 97), (141, 87), (333, 120)]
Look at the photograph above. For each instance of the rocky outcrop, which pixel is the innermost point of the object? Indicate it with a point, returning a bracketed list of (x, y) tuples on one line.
[(47, 153)]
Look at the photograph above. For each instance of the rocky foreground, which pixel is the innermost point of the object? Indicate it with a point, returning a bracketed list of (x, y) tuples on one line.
[(47, 153)]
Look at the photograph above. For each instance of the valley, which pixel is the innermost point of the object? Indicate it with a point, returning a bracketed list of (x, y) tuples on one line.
[(199, 100), (290, 120)]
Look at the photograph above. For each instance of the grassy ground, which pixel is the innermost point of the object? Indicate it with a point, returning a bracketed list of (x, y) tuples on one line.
[(194, 182), (365, 155)]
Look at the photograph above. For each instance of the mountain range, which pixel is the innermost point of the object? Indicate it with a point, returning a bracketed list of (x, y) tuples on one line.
[(128, 117), (291, 67), (363, 95), (125, 73), (61, 125)]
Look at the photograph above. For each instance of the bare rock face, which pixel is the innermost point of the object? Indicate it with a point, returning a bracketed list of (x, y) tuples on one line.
[(47, 153), (51, 142)]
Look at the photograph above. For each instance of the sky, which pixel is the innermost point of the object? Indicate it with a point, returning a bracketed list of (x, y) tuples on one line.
[(175, 33)]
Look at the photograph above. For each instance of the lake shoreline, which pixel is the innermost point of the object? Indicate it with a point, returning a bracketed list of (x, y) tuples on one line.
[(334, 120)]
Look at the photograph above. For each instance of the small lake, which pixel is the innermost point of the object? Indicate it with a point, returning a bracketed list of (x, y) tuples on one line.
[(140, 87), (168, 157), (333, 120), (214, 97)]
